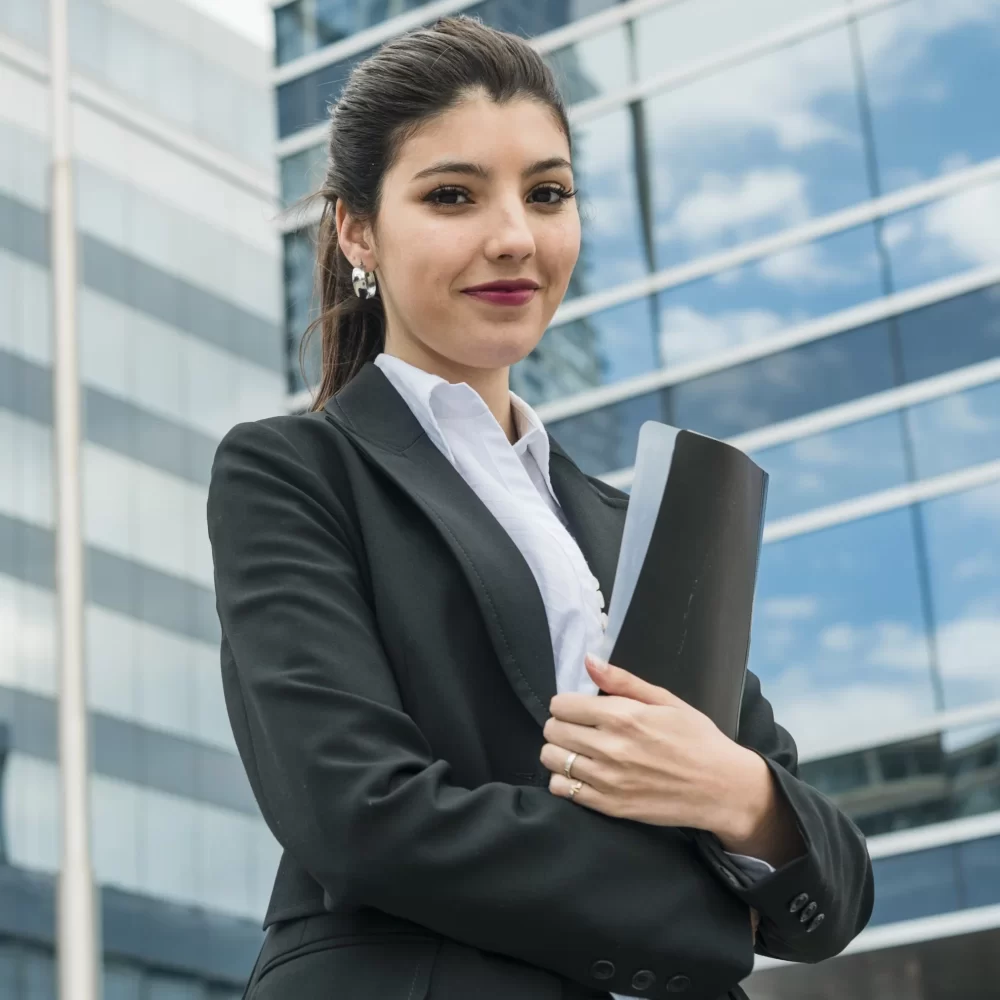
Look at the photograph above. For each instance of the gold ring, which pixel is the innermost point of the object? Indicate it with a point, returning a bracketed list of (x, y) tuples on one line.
[(575, 788), (569, 763)]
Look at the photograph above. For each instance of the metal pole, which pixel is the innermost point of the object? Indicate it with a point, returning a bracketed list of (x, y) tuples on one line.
[(76, 936)]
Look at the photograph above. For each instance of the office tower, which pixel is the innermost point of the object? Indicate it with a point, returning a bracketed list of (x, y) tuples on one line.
[(180, 337)]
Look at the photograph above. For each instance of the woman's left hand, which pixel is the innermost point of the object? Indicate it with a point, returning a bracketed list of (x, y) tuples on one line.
[(646, 755)]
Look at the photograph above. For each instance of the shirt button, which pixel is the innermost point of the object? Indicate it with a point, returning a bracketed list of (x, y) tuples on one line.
[(602, 969), (796, 904), (807, 914), (678, 984), (817, 920)]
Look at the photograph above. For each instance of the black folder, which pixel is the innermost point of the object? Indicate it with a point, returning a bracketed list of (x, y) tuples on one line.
[(682, 599)]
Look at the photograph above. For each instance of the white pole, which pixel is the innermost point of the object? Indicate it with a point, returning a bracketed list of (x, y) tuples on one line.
[(77, 915)]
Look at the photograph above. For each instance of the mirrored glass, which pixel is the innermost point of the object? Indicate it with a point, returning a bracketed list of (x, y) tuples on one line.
[(823, 469), (614, 207), (691, 31), (956, 431), (927, 779), (742, 154), (27, 637), (593, 66), (950, 334), (597, 349), (839, 632), (302, 173), (759, 299), (31, 812), (945, 237), (786, 385), (916, 885), (963, 552), (933, 71)]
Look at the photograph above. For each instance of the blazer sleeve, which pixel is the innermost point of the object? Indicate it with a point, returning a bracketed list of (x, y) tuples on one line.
[(351, 789), (813, 906)]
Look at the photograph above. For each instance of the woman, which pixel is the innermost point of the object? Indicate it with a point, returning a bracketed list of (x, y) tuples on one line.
[(408, 579)]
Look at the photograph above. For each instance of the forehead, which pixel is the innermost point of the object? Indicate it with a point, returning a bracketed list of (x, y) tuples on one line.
[(478, 130)]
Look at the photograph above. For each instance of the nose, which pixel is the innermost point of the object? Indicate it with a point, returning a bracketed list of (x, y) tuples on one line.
[(511, 237)]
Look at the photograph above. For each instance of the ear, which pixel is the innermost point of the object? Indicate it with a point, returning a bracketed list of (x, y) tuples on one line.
[(354, 238)]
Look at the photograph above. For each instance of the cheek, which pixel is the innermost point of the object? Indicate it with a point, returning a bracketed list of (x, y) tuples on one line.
[(562, 248), (426, 261)]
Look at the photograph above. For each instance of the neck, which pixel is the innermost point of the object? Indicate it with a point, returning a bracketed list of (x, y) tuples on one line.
[(493, 384)]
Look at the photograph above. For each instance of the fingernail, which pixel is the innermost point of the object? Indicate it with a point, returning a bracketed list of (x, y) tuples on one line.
[(597, 663)]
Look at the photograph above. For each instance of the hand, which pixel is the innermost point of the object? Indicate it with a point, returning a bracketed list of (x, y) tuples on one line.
[(646, 755)]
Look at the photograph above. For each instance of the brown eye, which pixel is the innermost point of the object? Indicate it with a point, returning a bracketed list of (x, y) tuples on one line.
[(551, 194), (447, 196)]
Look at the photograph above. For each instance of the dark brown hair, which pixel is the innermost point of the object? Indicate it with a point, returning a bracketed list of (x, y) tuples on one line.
[(408, 81)]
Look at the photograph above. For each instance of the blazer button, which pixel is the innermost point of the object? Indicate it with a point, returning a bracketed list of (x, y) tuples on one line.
[(796, 904), (817, 920), (678, 984), (643, 979), (602, 969), (807, 914)]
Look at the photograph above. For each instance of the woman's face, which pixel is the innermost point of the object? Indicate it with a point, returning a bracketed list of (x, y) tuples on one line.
[(476, 196)]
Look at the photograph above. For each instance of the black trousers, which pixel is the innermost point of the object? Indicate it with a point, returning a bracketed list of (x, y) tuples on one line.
[(319, 958)]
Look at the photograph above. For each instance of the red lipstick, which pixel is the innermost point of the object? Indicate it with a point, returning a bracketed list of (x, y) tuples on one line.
[(514, 292)]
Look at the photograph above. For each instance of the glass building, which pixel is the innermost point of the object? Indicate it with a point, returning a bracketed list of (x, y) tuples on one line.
[(791, 241), (181, 336)]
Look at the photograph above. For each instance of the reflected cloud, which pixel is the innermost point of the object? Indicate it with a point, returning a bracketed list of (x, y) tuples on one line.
[(686, 333), (721, 202), (799, 608)]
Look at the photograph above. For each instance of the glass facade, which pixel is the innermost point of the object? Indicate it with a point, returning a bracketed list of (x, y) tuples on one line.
[(789, 240), (179, 316)]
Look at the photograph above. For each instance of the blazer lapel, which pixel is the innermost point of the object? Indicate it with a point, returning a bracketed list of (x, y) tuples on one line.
[(381, 425)]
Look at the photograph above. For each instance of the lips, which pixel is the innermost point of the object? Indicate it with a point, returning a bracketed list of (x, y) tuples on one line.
[(512, 285)]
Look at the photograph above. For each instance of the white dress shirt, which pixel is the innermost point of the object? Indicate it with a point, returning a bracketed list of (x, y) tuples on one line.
[(513, 481)]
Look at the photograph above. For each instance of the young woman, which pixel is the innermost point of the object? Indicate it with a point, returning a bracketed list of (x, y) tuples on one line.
[(408, 579)]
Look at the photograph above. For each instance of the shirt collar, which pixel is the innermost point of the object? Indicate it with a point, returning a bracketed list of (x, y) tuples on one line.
[(428, 395)]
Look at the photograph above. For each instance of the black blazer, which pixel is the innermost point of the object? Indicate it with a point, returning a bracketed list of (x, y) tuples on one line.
[(388, 668)]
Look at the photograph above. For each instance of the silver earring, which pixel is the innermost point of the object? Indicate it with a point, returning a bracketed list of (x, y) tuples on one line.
[(364, 283)]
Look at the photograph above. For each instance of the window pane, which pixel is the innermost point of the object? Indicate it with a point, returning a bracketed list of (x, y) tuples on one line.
[(933, 72), (929, 779), (956, 431), (950, 334), (760, 299), (593, 66), (688, 32), (790, 384), (742, 154), (302, 173), (915, 885), (838, 632), (825, 468), (616, 224), (963, 546)]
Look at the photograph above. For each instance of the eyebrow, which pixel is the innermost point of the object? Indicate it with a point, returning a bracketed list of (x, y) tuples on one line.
[(475, 170)]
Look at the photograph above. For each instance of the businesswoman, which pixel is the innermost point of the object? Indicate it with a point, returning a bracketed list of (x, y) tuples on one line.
[(408, 579)]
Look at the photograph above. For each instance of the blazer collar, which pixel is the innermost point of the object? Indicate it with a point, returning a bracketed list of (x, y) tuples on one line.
[(381, 425)]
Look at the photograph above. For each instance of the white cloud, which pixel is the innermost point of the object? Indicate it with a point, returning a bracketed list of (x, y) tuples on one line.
[(821, 449), (962, 223), (982, 564), (840, 638), (824, 720), (956, 413), (803, 263), (721, 202), (798, 608), (898, 645), (982, 502), (686, 333), (897, 231)]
